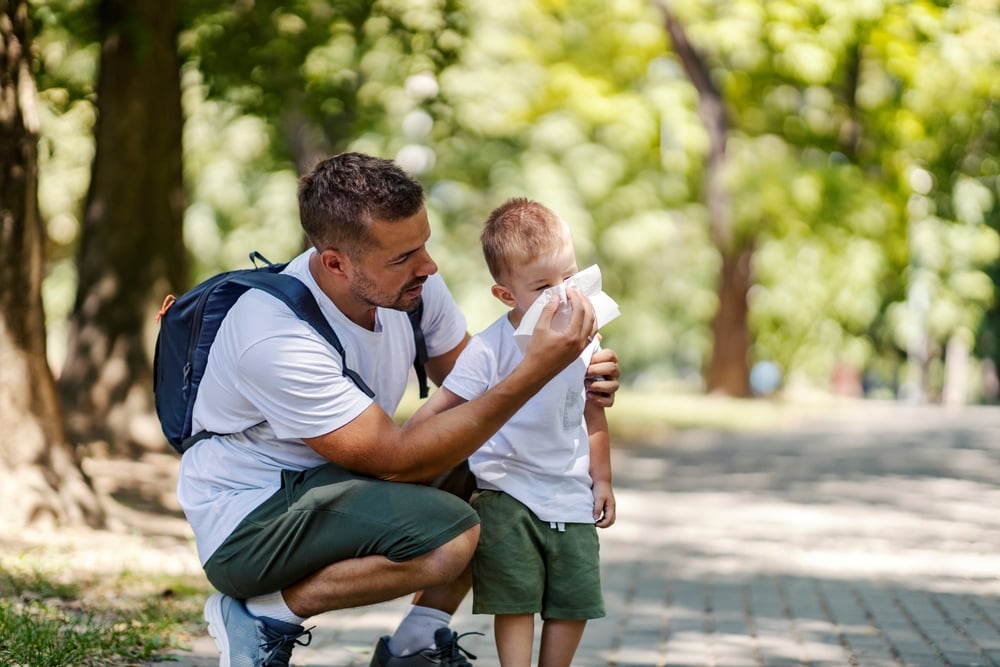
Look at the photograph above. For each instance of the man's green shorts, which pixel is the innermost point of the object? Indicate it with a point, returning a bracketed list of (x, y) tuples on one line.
[(524, 566), (325, 515)]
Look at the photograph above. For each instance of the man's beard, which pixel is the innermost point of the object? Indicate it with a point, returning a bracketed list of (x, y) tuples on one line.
[(366, 291)]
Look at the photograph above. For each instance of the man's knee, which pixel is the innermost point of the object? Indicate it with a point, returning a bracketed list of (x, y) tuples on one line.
[(451, 558)]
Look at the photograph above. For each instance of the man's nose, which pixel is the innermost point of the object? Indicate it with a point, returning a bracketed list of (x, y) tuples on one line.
[(427, 266)]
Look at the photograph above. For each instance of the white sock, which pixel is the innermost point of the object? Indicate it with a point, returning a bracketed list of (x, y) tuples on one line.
[(272, 605), (416, 630)]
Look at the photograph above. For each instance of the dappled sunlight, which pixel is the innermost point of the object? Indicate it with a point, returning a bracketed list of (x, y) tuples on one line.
[(906, 533)]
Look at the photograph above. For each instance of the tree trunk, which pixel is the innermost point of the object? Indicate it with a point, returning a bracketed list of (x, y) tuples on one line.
[(728, 371), (39, 479), (131, 250)]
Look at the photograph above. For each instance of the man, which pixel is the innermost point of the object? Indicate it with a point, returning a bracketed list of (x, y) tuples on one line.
[(316, 499)]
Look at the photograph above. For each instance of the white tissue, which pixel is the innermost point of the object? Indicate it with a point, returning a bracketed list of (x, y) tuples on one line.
[(588, 282)]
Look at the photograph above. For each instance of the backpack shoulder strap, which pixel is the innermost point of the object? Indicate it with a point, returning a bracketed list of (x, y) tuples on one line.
[(297, 296), (415, 316)]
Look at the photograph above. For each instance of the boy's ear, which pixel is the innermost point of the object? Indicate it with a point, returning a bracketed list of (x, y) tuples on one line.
[(502, 293)]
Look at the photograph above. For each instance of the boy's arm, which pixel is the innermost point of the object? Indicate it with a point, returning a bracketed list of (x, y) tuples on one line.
[(441, 400), (600, 464)]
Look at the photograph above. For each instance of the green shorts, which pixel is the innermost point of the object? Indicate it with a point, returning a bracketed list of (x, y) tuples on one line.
[(325, 515), (523, 566)]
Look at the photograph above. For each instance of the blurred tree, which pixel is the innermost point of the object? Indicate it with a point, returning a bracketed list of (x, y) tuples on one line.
[(728, 371), (39, 480), (834, 112), (131, 248)]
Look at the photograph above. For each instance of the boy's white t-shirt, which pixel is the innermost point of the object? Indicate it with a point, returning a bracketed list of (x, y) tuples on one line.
[(541, 456), (271, 380)]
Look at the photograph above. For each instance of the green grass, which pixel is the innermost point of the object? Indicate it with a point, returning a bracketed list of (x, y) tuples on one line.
[(652, 415), (53, 619)]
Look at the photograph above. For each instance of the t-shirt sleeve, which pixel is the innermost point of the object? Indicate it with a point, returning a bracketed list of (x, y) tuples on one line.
[(443, 323), (474, 371), (299, 386)]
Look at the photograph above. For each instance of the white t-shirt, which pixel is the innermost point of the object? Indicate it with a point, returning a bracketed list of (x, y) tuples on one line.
[(271, 380), (542, 455)]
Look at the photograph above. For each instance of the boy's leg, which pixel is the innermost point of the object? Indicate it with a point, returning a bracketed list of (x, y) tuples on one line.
[(515, 635), (559, 641)]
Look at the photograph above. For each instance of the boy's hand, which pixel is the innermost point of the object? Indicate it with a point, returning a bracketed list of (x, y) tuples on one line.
[(604, 504), (602, 378)]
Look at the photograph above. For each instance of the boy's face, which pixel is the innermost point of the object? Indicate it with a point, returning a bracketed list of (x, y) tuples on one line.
[(525, 280)]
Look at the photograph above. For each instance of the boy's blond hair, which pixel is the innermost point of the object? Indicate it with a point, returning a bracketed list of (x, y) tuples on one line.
[(519, 230)]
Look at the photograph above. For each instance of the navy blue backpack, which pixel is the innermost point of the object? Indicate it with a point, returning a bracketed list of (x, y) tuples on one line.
[(188, 326)]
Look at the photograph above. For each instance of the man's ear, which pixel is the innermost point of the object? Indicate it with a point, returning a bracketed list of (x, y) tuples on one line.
[(335, 262), (504, 294)]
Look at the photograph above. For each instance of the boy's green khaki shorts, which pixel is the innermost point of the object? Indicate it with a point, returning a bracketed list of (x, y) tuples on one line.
[(325, 515), (524, 566)]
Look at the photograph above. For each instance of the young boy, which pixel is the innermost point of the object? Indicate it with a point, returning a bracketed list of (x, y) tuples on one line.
[(544, 479)]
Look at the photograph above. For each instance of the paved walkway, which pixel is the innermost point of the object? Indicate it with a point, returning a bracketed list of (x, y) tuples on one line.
[(868, 539)]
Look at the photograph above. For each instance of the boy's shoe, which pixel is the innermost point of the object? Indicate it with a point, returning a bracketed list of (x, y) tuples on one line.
[(247, 641), (446, 654)]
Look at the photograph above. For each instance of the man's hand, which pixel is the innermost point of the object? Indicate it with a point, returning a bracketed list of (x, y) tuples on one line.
[(550, 350), (602, 378)]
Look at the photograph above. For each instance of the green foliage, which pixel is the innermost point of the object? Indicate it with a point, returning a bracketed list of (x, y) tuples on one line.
[(345, 67), (242, 194)]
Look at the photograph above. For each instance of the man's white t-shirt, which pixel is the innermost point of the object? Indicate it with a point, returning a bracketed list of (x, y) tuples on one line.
[(271, 380), (541, 456)]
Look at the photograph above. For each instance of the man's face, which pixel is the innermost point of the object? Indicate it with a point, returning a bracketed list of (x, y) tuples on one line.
[(390, 272)]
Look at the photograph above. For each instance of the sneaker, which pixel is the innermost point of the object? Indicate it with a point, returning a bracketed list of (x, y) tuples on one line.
[(247, 641), (447, 652)]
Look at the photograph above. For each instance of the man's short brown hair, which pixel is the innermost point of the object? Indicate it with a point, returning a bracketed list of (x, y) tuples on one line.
[(344, 194)]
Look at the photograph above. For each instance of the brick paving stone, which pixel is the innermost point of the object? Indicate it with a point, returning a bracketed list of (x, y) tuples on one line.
[(967, 620), (734, 643)]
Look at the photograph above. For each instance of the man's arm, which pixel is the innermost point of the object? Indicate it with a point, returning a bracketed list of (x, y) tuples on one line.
[(600, 464), (373, 444)]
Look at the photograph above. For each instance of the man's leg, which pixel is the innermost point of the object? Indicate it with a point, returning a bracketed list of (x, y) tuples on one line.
[(332, 540), (434, 606), (363, 581)]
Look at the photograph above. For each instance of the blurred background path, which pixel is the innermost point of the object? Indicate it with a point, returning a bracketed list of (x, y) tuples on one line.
[(870, 536)]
